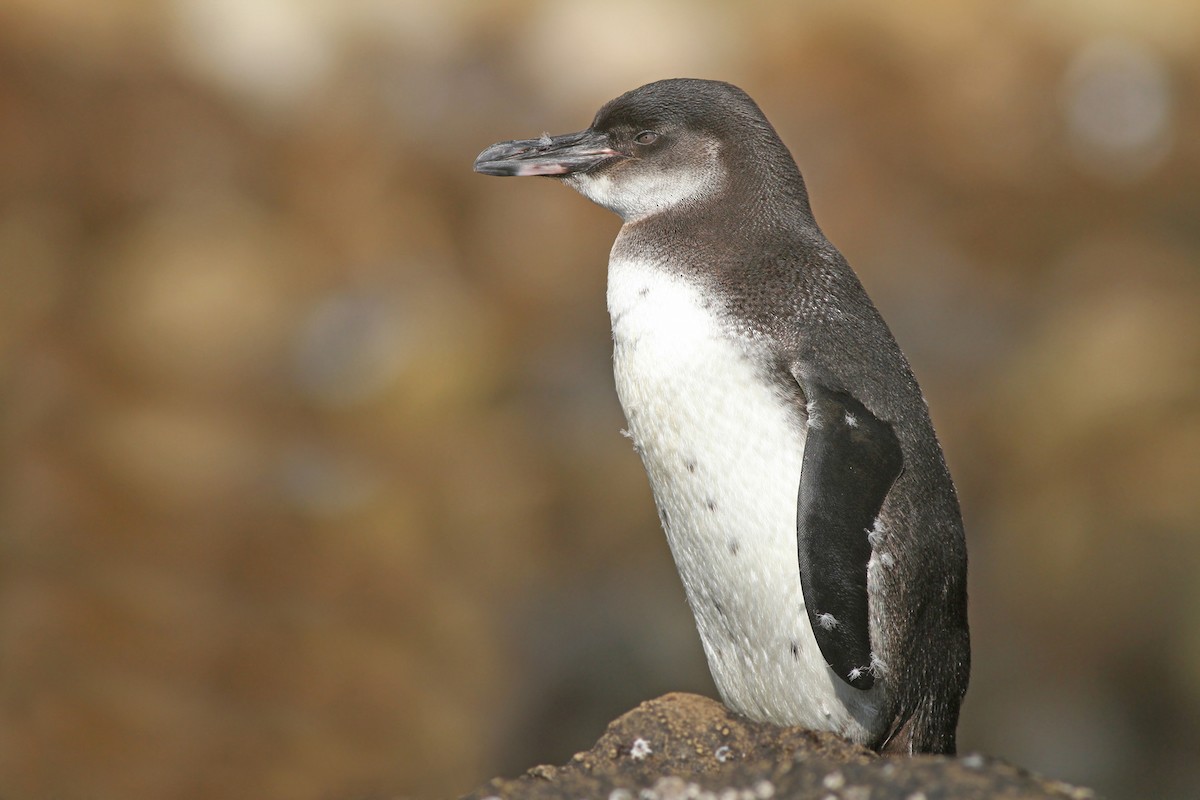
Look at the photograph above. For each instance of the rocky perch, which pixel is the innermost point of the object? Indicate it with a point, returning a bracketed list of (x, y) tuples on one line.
[(686, 747)]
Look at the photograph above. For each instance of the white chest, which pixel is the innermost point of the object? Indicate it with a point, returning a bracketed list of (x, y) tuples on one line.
[(723, 454)]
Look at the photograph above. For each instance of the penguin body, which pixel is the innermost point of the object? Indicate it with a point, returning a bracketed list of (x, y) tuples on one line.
[(790, 452)]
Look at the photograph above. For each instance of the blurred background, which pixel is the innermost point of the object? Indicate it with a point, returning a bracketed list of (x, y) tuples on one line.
[(310, 477)]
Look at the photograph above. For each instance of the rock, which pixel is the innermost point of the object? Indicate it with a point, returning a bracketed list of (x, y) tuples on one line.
[(685, 746)]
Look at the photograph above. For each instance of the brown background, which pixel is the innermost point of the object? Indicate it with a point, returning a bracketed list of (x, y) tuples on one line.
[(311, 477)]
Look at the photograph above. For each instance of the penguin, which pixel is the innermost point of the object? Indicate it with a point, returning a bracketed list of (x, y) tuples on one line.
[(789, 449)]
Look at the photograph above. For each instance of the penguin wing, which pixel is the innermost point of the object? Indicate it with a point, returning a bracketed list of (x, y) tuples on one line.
[(851, 458)]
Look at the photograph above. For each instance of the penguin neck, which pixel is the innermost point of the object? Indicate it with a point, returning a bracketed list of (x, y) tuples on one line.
[(758, 212), (769, 188)]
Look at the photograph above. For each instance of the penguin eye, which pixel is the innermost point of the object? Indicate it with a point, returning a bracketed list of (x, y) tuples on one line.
[(646, 137)]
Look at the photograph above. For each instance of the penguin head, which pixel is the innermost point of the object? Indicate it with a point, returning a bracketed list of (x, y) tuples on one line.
[(661, 147)]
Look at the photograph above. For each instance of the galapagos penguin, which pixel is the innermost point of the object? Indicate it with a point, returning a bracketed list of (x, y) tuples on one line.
[(797, 475)]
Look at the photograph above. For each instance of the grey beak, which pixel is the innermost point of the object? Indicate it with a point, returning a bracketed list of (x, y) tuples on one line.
[(566, 154)]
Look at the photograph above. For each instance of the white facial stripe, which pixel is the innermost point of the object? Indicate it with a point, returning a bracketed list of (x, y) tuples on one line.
[(635, 192)]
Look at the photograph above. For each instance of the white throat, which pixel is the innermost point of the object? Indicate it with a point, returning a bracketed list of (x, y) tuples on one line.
[(636, 190)]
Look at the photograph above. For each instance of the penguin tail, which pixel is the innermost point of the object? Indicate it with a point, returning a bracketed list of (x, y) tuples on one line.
[(930, 727)]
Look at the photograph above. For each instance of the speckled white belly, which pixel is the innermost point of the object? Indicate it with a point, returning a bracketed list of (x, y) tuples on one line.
[(723, 456)]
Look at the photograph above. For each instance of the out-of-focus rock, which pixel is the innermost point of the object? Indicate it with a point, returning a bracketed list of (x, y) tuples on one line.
[(198, 297)]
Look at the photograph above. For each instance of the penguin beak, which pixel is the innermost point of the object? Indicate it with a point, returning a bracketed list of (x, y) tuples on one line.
[(567, 154)]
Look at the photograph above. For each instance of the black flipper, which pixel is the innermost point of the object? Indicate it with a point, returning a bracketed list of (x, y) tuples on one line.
[(851, 460)]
